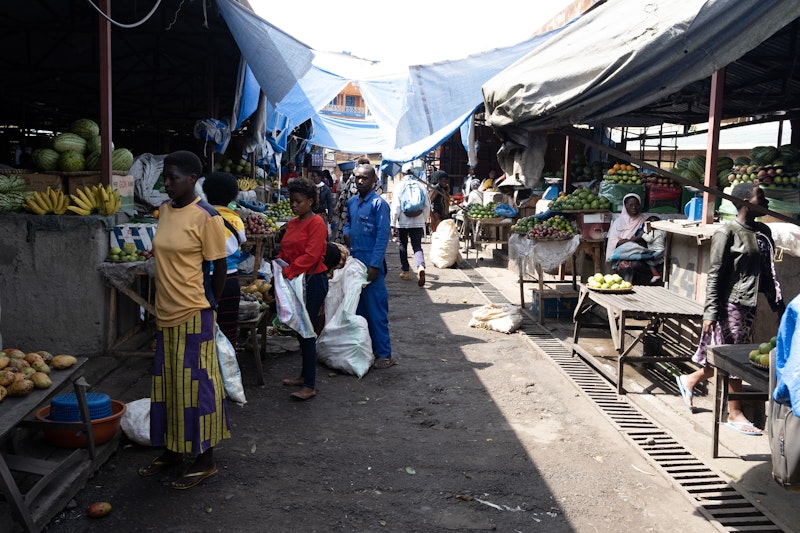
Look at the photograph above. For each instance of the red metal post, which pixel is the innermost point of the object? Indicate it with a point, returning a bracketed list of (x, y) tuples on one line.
[(105, 92), (712, 150)]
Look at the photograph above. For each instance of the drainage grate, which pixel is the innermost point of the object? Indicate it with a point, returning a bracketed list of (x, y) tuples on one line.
[(720, 502)]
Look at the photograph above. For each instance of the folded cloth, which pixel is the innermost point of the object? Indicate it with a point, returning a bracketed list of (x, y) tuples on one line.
[(631, 251)]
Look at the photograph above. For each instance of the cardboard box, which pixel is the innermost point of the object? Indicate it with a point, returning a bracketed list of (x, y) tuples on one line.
[(141, 235), (40, 181), (554, 307), (122, 181)]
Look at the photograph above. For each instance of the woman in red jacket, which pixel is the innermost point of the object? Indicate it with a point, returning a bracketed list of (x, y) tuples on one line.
[(303, 248)]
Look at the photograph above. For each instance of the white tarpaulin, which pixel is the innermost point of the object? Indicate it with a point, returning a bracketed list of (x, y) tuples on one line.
[(411, 109), (624, 55)]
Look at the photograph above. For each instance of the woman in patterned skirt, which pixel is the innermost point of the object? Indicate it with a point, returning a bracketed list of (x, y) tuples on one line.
[(188, 412), (741, 266)]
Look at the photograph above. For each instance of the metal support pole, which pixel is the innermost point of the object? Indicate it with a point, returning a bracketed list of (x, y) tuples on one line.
[(712, 150)]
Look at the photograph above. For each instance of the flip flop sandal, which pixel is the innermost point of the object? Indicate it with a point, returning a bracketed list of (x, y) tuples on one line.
[(686, 394), (740, 427), (157, 466), (192, 479)]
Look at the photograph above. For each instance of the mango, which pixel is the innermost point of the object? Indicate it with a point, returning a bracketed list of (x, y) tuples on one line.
[(6, 377), (3, 361), (41, 380), (13, 353), (20, 388), (41, 366), (98, 509), (33, 357), (3, 393), (63, 361), (17, 364), (27, 372), (46, 356)]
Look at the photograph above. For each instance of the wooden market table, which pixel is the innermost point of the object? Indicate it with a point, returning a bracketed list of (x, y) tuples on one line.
[(732, 360), (134, 280), (528, 256), (49, 493), (262, 246), (652, 305), (255, 327), (483, 231)]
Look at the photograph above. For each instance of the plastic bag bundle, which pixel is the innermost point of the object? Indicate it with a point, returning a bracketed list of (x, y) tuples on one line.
[(135, 422), (444, 244), (229, 368), (290, 301), (344, 343), (505, 318)]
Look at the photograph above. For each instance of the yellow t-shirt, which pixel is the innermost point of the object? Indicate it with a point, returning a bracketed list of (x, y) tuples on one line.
[(185, 237)]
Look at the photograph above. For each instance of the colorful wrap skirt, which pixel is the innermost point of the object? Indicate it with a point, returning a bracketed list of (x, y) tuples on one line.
[(188, 411), (734, 325)]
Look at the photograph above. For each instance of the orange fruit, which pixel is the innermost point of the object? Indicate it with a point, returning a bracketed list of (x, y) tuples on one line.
[(155, 213)]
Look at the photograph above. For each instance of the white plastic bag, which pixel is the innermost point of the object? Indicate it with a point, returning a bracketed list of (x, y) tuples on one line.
[(505, 318), (290, 301), (444, 244), (344, 343), (229, 368), (135, 423)]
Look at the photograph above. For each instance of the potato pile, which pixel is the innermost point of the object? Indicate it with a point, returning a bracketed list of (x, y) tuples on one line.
[(20, 373)]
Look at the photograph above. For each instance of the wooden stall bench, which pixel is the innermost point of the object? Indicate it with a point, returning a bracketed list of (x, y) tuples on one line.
[(732, 359), (651, 305)]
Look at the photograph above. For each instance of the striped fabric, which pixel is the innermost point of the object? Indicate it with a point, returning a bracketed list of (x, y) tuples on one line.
[(188, 409)]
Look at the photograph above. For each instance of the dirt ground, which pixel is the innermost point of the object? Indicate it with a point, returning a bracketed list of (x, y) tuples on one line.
[(474, 430)]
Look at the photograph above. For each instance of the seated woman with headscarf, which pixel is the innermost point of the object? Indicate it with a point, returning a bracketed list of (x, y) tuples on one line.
[(626, 250)]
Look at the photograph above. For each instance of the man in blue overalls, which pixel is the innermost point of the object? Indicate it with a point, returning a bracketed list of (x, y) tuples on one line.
[(366, 231)]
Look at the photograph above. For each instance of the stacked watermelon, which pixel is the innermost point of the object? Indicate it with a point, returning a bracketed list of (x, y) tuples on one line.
[(79, 149), (12, 195)]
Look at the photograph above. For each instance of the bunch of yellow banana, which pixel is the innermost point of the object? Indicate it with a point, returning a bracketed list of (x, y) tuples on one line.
[(95, 200), (247, 184), (49, 202)]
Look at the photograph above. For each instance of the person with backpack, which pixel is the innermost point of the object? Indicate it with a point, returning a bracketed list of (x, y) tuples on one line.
[(410, 210)]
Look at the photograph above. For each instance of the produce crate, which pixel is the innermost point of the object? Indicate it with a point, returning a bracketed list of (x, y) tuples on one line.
[(40, 181), (140, 235), (120, 180), (554, 306), (664, 199)]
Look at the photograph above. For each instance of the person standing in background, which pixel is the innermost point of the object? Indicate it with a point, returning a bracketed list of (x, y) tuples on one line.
[(327, 179), (440, 198), (467, 179), (347, 190), (411, 226), (366, 233), (188, 412), (290, 174), (221, 189), (324, 206)]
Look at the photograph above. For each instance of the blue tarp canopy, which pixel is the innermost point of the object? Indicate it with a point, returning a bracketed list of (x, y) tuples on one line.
[(411, 109)]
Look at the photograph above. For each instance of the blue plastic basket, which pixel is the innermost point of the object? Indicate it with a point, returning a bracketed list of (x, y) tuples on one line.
[(64, 407)]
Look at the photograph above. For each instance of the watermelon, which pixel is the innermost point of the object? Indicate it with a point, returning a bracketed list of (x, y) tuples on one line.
[(121, 159), (12, 183), (85, 127), (69, 141), (94, 144), (71, 161), (93, 161), (45, 159)]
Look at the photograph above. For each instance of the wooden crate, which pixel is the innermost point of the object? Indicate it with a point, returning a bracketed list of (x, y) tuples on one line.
[(120, 180), (40, 181)]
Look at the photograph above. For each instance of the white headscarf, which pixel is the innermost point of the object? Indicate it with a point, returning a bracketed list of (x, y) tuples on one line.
[(624, 226)]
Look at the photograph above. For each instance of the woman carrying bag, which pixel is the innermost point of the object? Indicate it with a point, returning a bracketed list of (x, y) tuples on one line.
[(303, 248)]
